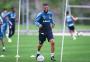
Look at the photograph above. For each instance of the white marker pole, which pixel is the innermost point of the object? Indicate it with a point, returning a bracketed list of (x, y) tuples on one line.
[(17, 55), (63, 32), (27, 15), (23, 12)]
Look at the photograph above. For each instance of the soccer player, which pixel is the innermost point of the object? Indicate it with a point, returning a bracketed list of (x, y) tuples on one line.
[(12, 18), (5, 20), (70, 24), (45, 23), (1, 33)]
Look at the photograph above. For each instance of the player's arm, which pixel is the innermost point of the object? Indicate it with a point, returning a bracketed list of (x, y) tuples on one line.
[(52, 21), (37, 20), (16, 19), (75, 18), (1, 21), (8, 15)]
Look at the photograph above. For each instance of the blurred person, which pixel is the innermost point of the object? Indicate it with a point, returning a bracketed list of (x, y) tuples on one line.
[(1, 32), (12, 19), (45, 23), (4, 14), (70, 24)]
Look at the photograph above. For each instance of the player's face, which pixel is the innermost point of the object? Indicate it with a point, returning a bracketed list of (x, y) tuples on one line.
[(13, 9), (45, 8), (5, 11)]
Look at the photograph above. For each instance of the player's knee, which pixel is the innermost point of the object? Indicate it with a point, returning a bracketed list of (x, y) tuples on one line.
[(13, 33), (40, 45), (52, 42)]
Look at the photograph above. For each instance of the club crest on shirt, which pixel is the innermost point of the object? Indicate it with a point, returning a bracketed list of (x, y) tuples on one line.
[(44, 17)]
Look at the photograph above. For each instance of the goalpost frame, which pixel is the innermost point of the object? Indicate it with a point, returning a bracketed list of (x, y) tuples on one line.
[(79, 6)]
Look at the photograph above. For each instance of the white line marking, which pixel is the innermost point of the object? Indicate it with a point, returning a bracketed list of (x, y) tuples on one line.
[(32, 56), (57, 33), (17, 56), (68, 34), (2, 55)]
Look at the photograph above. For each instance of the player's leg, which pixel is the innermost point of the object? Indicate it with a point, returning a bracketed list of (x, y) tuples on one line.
[(52, 44), (5, 29), (10, 33), (52, 49), (72, 31), (1, 37), (39, 48), (42, 38), (13, 28), (2, 44), (76, 33)]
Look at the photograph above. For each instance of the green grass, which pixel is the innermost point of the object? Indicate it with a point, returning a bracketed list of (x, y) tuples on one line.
[(77, 51), (74, 50)]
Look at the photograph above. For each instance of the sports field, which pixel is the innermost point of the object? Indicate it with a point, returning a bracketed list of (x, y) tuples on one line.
[(74, 50), (24, 43)]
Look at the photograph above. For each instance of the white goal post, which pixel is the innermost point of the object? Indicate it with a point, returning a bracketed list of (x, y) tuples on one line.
[(79, 6)]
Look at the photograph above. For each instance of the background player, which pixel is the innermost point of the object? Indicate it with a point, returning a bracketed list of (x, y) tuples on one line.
[(12, 19), (45, 23), (70, 24), (5, 20), (1, 33)]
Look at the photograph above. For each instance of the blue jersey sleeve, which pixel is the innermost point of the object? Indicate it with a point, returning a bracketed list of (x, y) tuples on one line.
[(11, 15), (52, 18), (1, 20), (37, 19)]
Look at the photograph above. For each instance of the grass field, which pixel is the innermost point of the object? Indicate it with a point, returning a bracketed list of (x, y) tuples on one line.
[(74, 50)]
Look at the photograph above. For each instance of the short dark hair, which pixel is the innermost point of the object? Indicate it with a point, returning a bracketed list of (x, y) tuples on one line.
[(12, 7), (4, 9), (67, 12), (45, 4)]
